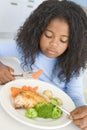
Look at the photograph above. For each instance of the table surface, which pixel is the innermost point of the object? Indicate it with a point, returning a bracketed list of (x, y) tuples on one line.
[(6, 121)]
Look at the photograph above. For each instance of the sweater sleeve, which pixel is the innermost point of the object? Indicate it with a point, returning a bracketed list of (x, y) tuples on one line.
[(9, 48), (75, 90)]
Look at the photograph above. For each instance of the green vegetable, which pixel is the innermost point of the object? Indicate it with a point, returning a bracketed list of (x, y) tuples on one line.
[(56, 113), (54, 101), (44, 110), (31, 113)]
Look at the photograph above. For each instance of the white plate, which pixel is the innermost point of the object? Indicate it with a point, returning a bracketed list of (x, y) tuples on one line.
[(6, 103)]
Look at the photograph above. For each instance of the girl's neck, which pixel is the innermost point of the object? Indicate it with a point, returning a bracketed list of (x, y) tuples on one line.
[(44, 56)]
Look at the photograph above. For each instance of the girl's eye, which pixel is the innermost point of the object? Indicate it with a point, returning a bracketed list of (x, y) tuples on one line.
[(48, 34), (65, 40)]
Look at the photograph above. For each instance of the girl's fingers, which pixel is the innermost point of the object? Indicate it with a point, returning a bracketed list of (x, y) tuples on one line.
[(6, 75), (0, 83), (82, 123), (79, 116), (79, 112), (11, 70)]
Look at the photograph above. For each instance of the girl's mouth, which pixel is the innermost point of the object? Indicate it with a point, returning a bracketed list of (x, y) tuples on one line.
[(51, 51)]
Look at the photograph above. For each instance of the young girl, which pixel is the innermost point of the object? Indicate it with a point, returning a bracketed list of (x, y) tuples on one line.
[(54, 38)]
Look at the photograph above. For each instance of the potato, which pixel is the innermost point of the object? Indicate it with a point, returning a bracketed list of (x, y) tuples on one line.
[(48, 93), (59, 101)]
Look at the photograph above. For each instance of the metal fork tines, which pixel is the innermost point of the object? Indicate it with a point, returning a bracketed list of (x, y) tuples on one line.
[(27, 74)]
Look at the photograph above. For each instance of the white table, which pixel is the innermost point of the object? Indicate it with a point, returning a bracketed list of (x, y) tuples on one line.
[(7, 122)]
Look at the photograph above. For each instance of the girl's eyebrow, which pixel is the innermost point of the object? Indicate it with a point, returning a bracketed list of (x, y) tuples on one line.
[(52, 32)]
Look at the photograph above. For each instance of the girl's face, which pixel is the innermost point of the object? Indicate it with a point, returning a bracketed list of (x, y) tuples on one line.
[(54, 40)]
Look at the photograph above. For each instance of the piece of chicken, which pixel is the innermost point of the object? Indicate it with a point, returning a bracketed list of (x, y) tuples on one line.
[(28, 99)]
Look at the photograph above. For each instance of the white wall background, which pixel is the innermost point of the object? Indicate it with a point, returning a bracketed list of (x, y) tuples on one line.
[(13, 13)]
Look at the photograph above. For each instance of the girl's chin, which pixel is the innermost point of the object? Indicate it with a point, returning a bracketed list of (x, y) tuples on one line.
[(51, 56)]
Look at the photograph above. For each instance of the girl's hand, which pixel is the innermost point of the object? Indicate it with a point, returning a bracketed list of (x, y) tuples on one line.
[(79, 116), (6, 74)]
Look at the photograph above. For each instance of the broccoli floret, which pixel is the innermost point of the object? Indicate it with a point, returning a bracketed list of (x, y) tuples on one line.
[(44, 110), (56, 113), (31, 113)]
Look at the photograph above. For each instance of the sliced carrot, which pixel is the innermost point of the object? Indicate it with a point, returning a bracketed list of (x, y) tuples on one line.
[(35, 88), (25, 88), (15, 91), (37, 74), (29, 88)]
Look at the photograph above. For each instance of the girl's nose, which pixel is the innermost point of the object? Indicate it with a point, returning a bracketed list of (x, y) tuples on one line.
[(55, 41)]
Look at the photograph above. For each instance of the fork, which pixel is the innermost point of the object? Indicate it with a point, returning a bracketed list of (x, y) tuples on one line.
[(25, 74), (63, 109), (30, 74)]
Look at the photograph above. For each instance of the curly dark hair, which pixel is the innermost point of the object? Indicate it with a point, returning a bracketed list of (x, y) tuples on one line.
[(28, 36)]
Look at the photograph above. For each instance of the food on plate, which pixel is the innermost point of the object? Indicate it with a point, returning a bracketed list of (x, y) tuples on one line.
[(59, 101), (36, 104), (48, 93), (15, 91), (44, 110), (28, 99)]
